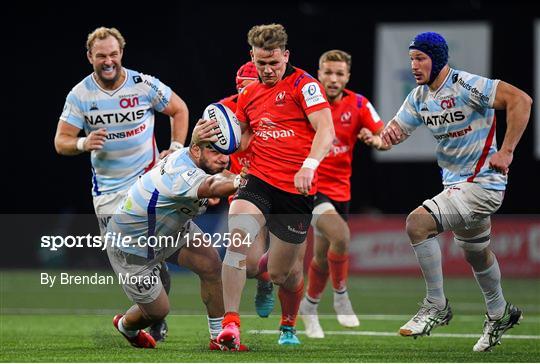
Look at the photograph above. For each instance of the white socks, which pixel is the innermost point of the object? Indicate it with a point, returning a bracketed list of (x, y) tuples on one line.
[(490, 283), (428, 253), (214, 326), (123, 330)]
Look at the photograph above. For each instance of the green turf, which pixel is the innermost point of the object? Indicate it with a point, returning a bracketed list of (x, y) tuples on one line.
[(73, 324)]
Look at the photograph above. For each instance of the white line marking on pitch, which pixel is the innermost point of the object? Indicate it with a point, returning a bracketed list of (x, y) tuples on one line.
[(112, 311), (381, 333)]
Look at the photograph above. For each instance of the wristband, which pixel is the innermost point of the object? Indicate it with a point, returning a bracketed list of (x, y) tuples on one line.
[(237, 180), (80, 144), (310, 163), (176, 145)]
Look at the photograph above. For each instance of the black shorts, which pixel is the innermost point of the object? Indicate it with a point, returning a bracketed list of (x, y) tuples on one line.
[(342, 207), (287, 215)]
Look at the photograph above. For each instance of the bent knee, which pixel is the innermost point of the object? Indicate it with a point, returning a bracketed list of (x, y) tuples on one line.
[(420, 225), (278, 277)]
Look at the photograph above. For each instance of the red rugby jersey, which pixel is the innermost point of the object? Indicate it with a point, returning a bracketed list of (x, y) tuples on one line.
[(350, 114), (282, 132)]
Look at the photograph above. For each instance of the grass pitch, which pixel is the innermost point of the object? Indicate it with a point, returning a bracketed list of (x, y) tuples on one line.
[(73, 324)]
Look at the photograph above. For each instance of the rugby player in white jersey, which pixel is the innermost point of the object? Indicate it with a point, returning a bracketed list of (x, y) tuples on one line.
[(161, 205), (115, 108), (459, 110)]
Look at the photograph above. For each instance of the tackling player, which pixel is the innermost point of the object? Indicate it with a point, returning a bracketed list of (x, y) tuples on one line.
[(351, 113), (458, 108), (161, 204), (289, 116)]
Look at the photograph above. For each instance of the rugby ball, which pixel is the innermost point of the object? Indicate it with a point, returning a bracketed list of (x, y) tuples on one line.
[(228, 129)]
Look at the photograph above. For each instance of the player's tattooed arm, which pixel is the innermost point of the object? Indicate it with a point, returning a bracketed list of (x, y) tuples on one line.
[(222, 184), (372, 140), (393, 134)]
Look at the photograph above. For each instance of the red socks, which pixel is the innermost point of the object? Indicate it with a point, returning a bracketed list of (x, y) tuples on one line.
[(317, 278), (339, 270), (290, 303)]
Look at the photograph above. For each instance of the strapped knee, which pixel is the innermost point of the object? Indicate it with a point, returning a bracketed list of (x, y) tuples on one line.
[(317, 212), (476, 243), (235, 260), (246, 223)]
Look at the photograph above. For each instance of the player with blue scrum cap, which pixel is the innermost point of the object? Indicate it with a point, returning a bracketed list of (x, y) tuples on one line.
[(459, 110)]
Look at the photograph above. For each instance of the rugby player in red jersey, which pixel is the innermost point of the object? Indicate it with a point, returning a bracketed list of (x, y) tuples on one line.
[(264, 298), (351, 114), (289, 116)]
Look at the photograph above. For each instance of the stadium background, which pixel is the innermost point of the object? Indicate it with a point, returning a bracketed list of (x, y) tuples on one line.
[(196, 48)]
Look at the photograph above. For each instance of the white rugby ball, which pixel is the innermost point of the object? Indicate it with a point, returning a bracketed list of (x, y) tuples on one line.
[(228, 128)]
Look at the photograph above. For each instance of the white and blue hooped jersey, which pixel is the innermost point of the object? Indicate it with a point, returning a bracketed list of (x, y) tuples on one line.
[(461, 117), (160, 203), (128, 115)]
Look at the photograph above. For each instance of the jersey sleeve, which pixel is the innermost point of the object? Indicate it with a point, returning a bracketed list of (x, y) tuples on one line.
[(477, 91), (240, 105), (72, 113), (310, 93), (407, 116), (369, 118), (157, 92), (187, 182)]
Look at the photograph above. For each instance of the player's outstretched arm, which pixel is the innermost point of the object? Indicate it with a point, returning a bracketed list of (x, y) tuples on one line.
[(178, 112), (67, 142), (392, 134), (518, 110), (321, 121), (222, 184), (373, 140)]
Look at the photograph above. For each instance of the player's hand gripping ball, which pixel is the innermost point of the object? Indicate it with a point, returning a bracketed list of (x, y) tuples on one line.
[(228, 130)]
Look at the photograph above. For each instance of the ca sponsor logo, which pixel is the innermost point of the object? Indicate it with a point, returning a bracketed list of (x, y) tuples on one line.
[(448, 103), (129, 102)]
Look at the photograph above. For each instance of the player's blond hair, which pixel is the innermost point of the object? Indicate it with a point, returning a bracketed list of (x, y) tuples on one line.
[(103, 33), (336, 55), (268, 37)]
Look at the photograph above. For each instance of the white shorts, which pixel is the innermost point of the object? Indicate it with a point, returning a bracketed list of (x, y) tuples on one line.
[(139, 277), (464, 206), (105, 206), (147, 285)]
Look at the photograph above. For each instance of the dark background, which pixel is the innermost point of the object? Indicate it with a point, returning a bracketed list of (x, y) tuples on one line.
[(196, 49)]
